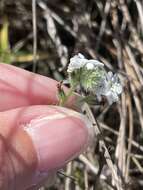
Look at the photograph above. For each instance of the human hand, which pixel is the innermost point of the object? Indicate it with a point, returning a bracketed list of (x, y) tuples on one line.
[(36, 138)]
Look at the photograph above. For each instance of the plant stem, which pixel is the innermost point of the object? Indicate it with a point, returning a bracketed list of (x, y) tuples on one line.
[(70, 92)]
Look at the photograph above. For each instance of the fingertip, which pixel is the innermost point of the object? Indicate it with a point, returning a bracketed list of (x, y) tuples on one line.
[(58, 138)]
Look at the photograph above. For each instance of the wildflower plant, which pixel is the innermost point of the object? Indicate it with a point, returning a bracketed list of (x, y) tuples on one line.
[(91, 76)]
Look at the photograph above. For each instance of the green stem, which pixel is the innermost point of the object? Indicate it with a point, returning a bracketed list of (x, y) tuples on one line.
[(70, 92)]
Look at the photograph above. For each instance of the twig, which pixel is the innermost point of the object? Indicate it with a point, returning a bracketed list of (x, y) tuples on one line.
[(86, 180), (137, 164), (120, 152), (68, 173), (130, 138), (133, 30), (140, 12), (103, 23), (52, 31), (134, 63), (65, 175), (116, 177), (134, 143), (88, 164)]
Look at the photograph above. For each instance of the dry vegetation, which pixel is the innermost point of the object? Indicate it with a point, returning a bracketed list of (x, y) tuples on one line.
[(108, 30)]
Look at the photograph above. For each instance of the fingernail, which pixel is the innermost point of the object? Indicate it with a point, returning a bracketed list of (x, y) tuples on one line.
[(58, 138)]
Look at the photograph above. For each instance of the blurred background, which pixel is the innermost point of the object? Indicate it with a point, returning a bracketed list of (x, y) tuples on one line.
[(42, 35)]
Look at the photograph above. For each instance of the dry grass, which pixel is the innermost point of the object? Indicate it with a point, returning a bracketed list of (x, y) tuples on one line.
[(111, 31)]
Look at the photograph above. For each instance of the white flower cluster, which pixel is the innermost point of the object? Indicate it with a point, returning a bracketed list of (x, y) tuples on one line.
[(79, 61), (108, 84), (109, 87)]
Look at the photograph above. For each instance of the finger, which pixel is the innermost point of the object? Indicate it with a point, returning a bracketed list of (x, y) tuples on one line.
[(37, 140), (21, 88)]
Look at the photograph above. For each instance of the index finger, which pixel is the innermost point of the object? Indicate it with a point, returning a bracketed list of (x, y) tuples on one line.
[(19, 87)]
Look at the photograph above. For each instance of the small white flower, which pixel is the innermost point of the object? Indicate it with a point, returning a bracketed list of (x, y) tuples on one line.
[(109, 87), (76, 62), (79, 61), (102, 88), (114, 83), (91, 64), (112, 97)]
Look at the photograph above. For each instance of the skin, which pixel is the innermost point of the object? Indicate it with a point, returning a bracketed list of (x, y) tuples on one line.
[(36, 139)]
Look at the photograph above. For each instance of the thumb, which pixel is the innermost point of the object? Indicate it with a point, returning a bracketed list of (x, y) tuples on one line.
[(38, 140)]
